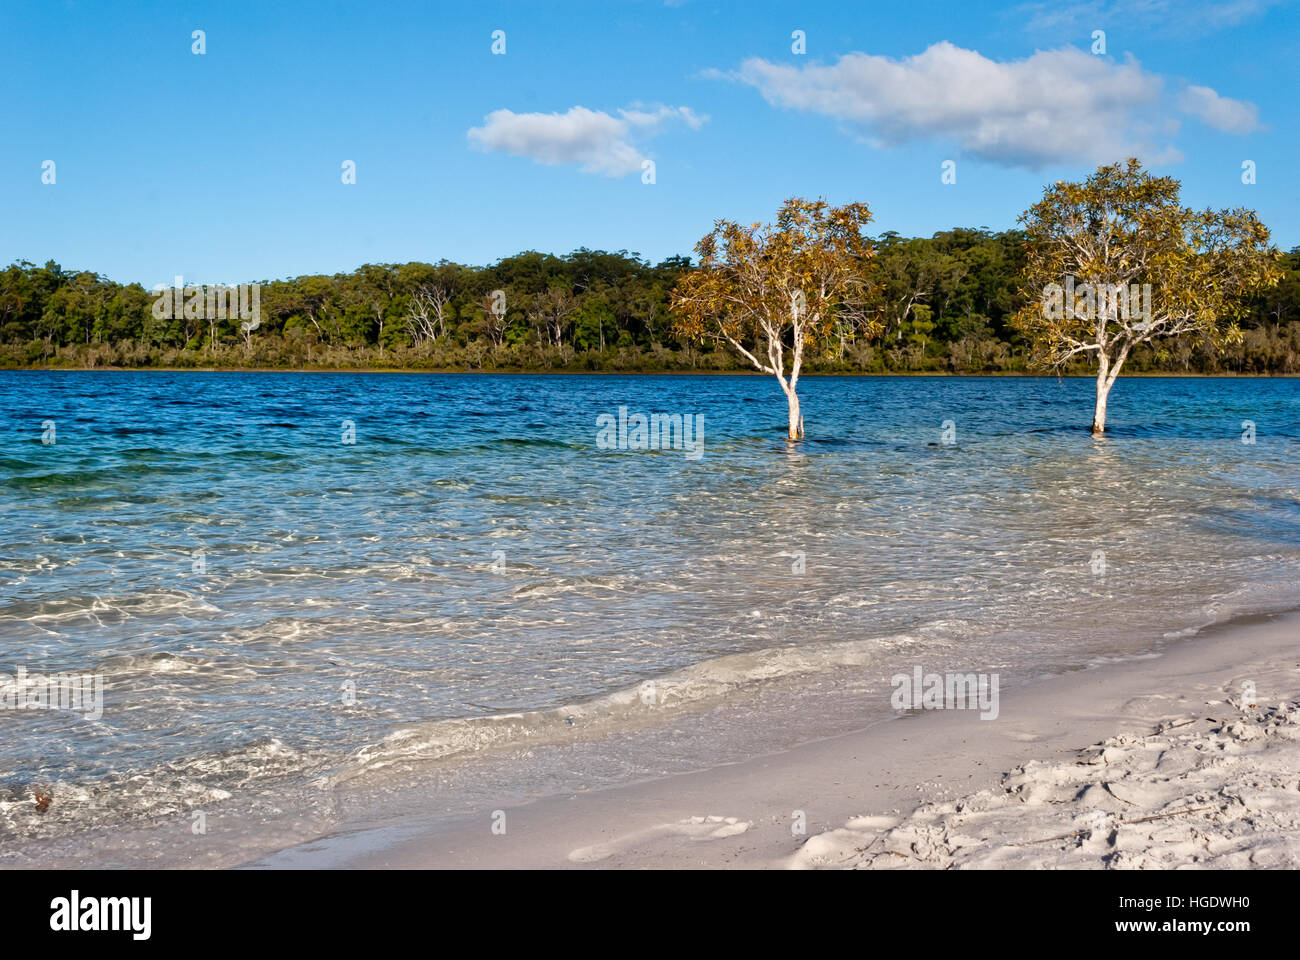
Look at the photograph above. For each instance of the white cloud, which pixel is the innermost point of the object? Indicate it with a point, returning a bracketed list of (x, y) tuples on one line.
[(597, 141), (654, 115), (1222, 113), (1055, 106)]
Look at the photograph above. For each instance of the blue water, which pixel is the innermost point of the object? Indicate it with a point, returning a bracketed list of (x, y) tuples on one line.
[(268, 604)]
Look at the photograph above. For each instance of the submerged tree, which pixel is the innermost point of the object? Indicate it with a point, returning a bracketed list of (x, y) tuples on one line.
[(1116, 261), (771, 292)]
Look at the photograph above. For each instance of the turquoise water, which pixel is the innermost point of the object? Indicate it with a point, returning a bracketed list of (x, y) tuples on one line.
[(269, 605)]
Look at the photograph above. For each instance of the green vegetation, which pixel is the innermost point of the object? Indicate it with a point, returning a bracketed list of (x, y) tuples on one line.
[(945, 303)]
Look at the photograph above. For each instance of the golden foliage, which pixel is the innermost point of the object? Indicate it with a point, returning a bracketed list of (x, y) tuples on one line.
[(1123, 227), (768, 289)]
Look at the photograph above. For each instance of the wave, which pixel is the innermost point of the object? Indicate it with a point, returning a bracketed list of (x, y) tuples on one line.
[(693, 686), (153, 603)]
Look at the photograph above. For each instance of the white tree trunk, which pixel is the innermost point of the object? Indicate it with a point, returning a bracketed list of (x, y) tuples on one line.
[(796, 421), (1104, 383)]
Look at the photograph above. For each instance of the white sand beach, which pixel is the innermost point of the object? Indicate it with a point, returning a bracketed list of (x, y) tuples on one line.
[(1144, 763)]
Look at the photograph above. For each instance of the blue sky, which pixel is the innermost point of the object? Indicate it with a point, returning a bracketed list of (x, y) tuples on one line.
[(226, 166)]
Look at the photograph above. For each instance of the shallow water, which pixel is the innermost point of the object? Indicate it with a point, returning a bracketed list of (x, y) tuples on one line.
[(269, 606)]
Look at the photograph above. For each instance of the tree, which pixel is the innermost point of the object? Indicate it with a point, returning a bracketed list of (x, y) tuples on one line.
[(589, 323), (1117, 261), (317, 298), (780, 289), (907, 270), (426, 319), (493, 310), (371, 290), (550, 313)]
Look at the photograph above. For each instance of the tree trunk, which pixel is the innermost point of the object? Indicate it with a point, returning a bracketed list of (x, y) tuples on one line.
[(1105, 380), (1099, 415), (796, 421)]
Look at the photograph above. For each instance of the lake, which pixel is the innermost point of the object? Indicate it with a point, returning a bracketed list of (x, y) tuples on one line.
[(290, 581)]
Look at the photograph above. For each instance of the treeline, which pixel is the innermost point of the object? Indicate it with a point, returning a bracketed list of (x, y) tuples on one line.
[(944, 301)]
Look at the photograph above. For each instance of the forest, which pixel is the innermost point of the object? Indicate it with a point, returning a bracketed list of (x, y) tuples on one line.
[(944, 303)]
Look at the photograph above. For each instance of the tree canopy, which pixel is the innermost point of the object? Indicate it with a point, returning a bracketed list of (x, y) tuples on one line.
[(1116, 261), (771, 293)]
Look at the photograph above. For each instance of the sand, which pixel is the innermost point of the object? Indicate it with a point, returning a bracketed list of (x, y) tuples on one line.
[(1188, 759), (1199, 792)]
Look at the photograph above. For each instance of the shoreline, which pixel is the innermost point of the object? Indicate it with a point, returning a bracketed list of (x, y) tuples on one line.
[(804, 375), (894, 778)]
